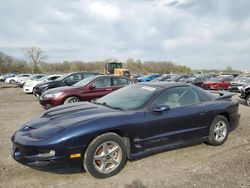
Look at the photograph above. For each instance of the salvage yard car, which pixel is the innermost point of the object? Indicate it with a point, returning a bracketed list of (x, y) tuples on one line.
[(245, 94), (87, 89), (18, 77), (221, 82), (29, 85), (22, 81), (66, 80), (130, 123), (238, 83)]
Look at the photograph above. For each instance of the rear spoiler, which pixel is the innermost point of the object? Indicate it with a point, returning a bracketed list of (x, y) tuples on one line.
[(222, 94)]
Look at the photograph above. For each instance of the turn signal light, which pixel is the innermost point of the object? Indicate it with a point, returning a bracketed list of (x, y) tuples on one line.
[(76, 155)]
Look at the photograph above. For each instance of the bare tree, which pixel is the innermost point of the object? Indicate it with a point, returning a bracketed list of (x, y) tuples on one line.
[(35, 56)]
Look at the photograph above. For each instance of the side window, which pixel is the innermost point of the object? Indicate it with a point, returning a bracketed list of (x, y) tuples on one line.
[(75, 77), (102, 83), (178, 96), (85, 75), (120, 81), (53, 78)]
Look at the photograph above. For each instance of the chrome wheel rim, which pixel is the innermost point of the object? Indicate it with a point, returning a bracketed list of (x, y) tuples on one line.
[(220, 131), (73, 100), (107, 157)]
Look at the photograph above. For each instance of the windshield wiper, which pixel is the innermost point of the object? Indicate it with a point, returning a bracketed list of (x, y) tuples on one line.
[(105, 104)]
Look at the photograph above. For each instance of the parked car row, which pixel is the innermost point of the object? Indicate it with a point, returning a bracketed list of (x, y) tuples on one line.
[(55, 90), (74, 87)]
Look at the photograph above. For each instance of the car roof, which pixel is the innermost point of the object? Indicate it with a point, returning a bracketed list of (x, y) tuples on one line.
[(166, 84), (111, 75)]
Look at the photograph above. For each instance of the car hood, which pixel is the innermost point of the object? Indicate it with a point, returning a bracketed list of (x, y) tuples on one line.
[(57, 89), (49, 83), (63, 117)]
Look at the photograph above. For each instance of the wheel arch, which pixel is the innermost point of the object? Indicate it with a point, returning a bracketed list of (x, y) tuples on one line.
[(226, 115), (120, 133)]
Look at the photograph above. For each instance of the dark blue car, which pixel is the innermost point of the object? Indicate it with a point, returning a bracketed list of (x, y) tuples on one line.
[(130, 123)]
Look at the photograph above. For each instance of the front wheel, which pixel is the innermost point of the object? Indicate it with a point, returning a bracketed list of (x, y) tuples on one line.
[(71, 100), (12, 81), (218, 131), (105, 156)]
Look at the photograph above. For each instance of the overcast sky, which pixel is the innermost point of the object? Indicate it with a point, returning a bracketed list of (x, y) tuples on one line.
[(197, 33)]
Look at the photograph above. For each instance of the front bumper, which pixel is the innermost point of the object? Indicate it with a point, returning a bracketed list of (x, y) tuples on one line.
[(61, 160), (28, 89), (49, 103)]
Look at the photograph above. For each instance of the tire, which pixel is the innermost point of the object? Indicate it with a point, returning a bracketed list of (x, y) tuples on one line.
[(12, 81), (218, 137), (113, 161), (248, 100), (71, 100)]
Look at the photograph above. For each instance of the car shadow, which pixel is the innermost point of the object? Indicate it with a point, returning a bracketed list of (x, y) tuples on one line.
[(61, 170)]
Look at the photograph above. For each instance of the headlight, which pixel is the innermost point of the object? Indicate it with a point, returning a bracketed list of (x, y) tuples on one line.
[(44, 154), (52, 95)]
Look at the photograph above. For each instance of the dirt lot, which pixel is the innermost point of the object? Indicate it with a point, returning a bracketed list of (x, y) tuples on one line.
[(195, 166)]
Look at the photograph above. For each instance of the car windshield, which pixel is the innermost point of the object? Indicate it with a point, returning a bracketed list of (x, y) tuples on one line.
[(216, 79), (43, 78), (128, 98), (85, 81), (37, 77), (62, 77)]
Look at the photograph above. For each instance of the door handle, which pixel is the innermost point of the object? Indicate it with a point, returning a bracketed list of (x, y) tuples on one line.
[(203, 113), (108, 89)]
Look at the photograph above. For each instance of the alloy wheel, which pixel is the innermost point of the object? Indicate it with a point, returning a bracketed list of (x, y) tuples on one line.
[(220, 131), (107, 157)]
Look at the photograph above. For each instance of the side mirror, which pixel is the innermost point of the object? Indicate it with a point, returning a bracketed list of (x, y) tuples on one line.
[(160, 108), (92, 86)]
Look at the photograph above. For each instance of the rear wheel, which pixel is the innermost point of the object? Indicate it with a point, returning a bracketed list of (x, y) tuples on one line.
[(218, 131), (105, 156), (12, 81), (71, 100)]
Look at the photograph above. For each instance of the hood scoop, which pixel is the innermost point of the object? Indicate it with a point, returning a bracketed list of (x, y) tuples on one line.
[(68, 109)]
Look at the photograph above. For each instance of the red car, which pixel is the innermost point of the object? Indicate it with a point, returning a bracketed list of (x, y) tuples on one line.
[(85, 90), (218, 83)]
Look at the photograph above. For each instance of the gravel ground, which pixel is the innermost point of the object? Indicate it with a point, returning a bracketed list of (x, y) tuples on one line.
[(195, 166)]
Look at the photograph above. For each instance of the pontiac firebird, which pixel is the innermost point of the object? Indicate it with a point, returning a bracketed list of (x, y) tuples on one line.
[(128, 124)]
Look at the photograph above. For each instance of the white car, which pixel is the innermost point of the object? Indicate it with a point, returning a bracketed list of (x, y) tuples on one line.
[(29, 85), (22, 81), (17, 78)]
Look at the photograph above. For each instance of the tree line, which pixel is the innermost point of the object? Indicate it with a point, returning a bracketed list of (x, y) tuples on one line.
[(36, 64)]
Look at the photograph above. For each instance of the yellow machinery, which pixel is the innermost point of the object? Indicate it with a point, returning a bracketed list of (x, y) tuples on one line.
[(122, 72)]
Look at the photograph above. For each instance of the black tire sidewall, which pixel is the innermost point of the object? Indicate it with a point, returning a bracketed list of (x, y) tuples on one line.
[(211, 139), (89, 154)]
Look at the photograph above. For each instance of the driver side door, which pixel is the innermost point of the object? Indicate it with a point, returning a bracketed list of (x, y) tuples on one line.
[(185, 120)]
